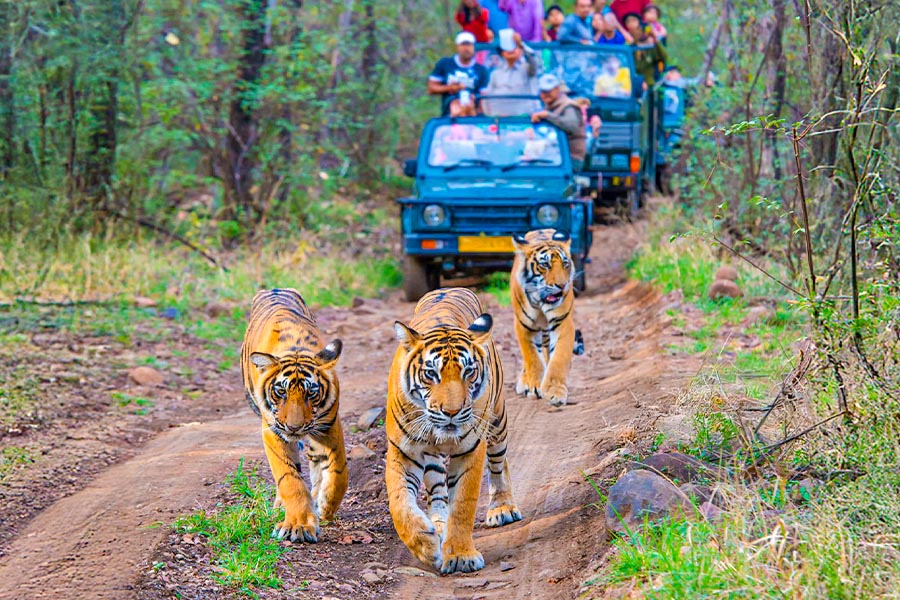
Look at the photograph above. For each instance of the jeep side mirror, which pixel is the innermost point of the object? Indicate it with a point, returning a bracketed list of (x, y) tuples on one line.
[(409, 167)]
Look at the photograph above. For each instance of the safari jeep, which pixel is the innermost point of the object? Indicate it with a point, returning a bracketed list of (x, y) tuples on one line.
[(479, 180)]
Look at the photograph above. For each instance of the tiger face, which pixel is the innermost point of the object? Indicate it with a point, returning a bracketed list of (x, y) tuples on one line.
[(443, 375), (294, 389), (548, 270)]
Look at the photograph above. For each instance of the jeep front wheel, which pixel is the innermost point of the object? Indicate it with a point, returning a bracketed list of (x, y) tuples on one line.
[(420, 276)]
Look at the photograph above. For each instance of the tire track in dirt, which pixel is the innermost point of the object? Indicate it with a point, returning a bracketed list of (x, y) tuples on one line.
[(97, 542)]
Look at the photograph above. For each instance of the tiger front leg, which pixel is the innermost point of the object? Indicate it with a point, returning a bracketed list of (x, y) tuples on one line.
[(531, 345), (328, 470), (464, 485), (435, 482), (554, 387), (403, 476), (300, 522), (502, 509)]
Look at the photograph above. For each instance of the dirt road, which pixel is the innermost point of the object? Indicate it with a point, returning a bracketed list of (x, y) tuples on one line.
[(99, 542)]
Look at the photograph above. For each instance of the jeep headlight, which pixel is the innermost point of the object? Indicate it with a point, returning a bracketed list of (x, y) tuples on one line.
[(547, 215), (434, 215)]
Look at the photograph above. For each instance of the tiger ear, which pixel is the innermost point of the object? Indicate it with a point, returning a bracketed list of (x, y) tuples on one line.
[(407, 336), (564, 237), (263, 361), (328, 356), (481, 329), (520, 242)]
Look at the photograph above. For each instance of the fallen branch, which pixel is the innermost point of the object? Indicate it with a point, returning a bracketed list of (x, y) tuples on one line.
[(171, 234)]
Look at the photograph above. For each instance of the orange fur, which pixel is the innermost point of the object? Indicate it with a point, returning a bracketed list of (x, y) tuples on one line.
[(290, 382), (445, 414), (543, 270)]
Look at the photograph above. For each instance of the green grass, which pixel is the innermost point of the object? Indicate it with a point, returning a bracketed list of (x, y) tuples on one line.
[(239, 534), (11, 458), (135, 404), (17, 396), (497, 285)]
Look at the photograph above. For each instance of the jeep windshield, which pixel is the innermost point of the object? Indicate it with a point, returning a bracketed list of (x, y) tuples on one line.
[(493, 145), (591, 72)]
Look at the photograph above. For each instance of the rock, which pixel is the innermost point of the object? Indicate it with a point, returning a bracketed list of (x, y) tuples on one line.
[(697, 493), (357, 302), (360, 453), (727, 272), (413, 572), (711, 512), (371, 577), (506, 566), (679, 467), (217, 309), (146, 376), (369, 418), (677, 428), (144, 302), (641, 495), (722, 288)]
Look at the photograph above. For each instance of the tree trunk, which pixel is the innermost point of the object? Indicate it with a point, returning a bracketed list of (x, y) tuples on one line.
[(7, 108), (243, 122), (775, 84)]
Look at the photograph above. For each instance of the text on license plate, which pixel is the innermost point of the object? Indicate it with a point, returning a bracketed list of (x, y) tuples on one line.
[(481, 243)]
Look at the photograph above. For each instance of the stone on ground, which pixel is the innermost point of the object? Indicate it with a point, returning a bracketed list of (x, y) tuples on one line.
[(723, 288), (640, 496), (146, 376), (369, 418)]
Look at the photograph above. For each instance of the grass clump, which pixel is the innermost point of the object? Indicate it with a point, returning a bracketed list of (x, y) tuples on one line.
[(497, 285), (239, 534), (11, 458)]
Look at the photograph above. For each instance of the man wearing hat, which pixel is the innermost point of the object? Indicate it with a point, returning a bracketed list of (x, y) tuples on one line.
[(565, 113), (458, 79), (514, 75)]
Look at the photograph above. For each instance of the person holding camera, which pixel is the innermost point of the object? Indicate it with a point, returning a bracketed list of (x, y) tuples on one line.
[(459, 79)]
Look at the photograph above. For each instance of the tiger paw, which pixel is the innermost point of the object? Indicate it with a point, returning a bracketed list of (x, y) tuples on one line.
[(426, 546), (504, 514), (557, 394), (298, 527), (462, 562), (528, 386)]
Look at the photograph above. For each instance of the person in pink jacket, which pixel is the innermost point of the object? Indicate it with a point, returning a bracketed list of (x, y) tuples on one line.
[(526, 17)]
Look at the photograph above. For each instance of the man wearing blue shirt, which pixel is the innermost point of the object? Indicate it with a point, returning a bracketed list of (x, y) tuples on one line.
[(576, 28), (459, 80)]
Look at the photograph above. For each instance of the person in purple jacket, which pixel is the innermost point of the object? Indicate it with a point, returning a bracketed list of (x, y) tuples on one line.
[(526, 17)]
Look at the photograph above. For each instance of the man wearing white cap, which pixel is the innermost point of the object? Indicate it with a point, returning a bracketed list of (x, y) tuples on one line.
[(515, 75), (459, 79), (565, 113)]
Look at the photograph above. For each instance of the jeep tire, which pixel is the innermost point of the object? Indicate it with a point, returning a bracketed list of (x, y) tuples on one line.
[(420, 276)]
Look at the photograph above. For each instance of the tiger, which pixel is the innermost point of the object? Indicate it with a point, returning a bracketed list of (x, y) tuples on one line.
[(543, 299), (291, 384), (445, 415)]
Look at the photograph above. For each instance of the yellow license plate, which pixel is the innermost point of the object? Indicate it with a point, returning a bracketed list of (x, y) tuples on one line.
[(483, 243)]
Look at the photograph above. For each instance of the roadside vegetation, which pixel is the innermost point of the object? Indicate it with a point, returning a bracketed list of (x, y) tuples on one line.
[(789, 174)]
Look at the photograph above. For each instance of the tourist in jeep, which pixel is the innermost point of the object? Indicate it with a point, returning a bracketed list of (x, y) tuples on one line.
[(565, 113), (459, 80), (515, 75), (576, 28)]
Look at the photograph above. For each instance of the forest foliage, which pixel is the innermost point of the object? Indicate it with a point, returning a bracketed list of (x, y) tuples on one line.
[(214, 119)]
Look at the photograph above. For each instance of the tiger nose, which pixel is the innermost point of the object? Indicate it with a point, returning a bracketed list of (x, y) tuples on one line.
[(450, 412), (294, 428)]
